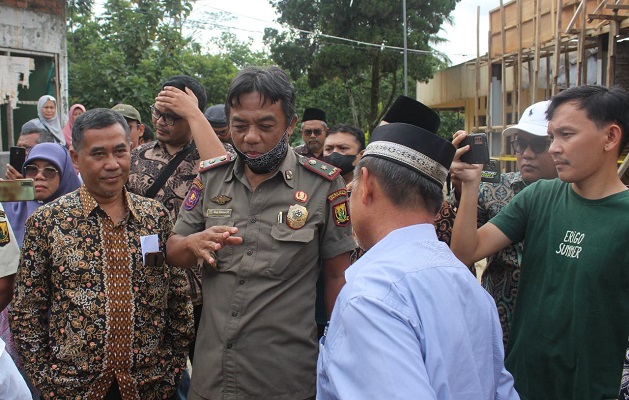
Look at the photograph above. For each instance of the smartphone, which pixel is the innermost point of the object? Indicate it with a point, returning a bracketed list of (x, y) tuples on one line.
[(17, 190), (491, 172), (478, 152), (17, 156)]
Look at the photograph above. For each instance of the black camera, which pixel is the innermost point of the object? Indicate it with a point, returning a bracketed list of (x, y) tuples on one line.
[(478, 152)]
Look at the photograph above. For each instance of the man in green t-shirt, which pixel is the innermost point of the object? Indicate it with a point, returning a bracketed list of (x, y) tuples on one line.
[(571, 319)]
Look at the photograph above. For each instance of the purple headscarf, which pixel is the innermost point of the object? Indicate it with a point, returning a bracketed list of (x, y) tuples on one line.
[(19, 211)]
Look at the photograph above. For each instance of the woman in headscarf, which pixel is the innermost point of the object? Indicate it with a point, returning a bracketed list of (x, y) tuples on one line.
[(50, 167), (48, 119), (75, 111)]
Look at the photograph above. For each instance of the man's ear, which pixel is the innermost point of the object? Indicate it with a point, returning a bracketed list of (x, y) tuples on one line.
[(614, 137), (141, 129), (368, 182), (74, 156)]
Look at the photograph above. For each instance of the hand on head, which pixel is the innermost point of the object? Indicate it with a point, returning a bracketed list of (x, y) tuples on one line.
[(183, 104)]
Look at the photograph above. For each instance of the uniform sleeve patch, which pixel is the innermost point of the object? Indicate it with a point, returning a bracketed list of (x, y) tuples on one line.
[(336, 194), (194, 194), (341, 214)]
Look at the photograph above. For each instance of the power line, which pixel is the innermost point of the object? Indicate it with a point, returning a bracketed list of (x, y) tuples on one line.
[(213, 25)]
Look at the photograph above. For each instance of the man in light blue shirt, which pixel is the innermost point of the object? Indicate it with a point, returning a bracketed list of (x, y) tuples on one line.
[(411, 321)]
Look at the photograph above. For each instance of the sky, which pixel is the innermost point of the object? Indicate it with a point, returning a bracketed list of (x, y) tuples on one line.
[(248, 18)]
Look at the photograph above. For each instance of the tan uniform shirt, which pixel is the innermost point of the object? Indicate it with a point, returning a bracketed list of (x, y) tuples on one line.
[(258, 337)]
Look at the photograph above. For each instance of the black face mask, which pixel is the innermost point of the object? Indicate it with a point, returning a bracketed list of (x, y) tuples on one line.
[(344, 162), (269, 161)]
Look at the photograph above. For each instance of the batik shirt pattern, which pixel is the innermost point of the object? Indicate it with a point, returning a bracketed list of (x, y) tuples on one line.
[(502, 275), (147, 163), (88, 309)]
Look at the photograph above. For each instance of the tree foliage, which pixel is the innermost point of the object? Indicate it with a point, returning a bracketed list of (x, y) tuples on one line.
[(371, 77), (126, 53)]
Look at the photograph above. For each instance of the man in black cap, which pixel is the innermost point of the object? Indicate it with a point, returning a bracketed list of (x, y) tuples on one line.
[(216, 116), (313, 132), (411, 321)]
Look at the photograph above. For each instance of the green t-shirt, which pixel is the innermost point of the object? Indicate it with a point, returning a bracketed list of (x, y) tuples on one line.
[(571, 319)]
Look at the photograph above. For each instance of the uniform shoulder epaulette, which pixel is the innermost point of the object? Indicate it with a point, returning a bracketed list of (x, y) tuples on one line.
[(214, 162), (324, 169)]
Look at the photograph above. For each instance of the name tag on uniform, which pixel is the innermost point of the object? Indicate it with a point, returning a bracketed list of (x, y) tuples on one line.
[(218, 212)]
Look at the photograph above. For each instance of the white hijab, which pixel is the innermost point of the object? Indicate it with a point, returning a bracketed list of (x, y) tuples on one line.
[(52, 125)]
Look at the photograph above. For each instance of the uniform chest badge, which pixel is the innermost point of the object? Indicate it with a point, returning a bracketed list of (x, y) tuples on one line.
[(220, 199), (301, 196), (341, 215), (297, 216), (5, 237), (194, 194)]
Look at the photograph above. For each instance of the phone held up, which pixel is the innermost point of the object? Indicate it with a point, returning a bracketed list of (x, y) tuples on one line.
[(479, 154), (17, 190), (17, 156)]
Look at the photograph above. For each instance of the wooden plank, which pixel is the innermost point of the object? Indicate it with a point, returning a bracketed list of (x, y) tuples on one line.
[(598, 8), (557, 54), (622, 170), (611, 54), (574, 17), (617, 6), (517, 89), (477, 65), (536, 57), (584, 61), (503, 71), (606, 17)]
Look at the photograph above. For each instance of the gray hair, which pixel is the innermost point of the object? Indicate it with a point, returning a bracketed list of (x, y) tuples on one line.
[(96, 118), (403, 186)]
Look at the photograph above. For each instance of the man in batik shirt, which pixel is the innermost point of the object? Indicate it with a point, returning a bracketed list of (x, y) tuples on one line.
[(97, 312)]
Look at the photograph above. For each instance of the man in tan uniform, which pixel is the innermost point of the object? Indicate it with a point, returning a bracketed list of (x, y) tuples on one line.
[(262, 222)]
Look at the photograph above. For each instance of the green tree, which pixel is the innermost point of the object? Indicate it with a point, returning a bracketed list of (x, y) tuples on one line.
[(451, 121), (371, 76), (125, 54)]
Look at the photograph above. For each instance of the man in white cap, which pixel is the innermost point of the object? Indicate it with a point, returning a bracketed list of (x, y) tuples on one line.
[(530, 143), (411, 321)]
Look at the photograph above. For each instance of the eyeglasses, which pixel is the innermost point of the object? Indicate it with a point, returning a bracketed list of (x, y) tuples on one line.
[(31, 171), (538, 146), (166, 118), (308, 132)]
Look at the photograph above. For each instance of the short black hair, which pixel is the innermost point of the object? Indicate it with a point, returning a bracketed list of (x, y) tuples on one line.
[(358, 133), (602, 106), (148, 135), (182, 82), (405, 187), (273, 85), (44, 135), (97, 118)]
